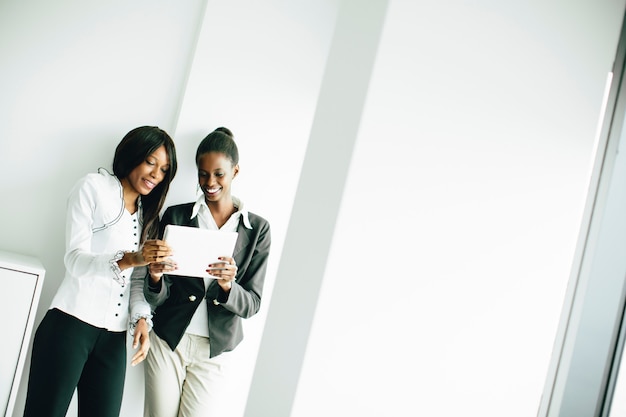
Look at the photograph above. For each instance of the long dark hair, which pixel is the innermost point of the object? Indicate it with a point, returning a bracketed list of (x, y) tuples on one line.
[(131, 152)]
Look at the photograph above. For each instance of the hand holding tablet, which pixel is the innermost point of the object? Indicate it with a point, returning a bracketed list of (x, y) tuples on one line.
[(224, 269)]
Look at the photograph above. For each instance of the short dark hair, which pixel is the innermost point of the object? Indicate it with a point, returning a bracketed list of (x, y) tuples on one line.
[(131, 152), (220, 140)]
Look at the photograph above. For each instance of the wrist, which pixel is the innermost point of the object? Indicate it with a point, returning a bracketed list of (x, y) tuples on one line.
[(130, 260), (140, 320)]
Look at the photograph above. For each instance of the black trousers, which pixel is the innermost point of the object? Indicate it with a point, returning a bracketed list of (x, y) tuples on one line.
[(69, 354)]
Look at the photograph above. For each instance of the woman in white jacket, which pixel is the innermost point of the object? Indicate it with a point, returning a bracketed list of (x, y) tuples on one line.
[(81, 341)]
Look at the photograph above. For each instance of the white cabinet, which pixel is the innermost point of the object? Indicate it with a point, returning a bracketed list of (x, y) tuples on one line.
[(21, 279)]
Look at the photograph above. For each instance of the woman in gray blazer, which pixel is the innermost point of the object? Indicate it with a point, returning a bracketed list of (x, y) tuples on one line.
[(197, 321)]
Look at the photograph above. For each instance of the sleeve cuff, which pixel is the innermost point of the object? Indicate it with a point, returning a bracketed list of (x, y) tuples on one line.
[(117, 272), (155, 287), (136, 318)]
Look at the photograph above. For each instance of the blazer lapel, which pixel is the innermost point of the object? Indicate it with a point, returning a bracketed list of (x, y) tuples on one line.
[(243, 238)]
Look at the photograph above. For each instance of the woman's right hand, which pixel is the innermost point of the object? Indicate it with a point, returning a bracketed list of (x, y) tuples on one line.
[(155, 250)]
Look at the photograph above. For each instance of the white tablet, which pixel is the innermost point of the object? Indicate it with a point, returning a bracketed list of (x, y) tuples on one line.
[(194, 248)]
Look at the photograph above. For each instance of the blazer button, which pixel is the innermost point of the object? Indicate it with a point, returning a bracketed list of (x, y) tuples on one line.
[(192, 298)]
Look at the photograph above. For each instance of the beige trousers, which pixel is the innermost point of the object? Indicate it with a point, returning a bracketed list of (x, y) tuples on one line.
[(185, 382)]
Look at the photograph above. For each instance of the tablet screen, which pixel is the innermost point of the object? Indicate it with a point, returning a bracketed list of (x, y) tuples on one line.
[(194, 248)]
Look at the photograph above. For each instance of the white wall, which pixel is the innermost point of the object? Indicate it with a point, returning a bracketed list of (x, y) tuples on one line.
[(257, 70), (455, 238)]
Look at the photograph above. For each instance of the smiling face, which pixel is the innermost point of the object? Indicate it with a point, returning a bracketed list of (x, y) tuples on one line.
[(147, 175), (215, 175)]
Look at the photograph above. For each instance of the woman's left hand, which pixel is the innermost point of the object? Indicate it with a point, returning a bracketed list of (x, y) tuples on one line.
[(141, 340), (225, 270)]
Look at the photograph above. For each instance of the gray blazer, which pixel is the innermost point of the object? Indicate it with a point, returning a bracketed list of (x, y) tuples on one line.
[(177, 298)]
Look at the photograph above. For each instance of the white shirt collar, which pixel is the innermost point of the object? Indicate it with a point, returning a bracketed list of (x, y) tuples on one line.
[(241, 211)]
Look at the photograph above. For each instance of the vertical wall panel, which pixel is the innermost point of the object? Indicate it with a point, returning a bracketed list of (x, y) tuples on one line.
[(456, 235)]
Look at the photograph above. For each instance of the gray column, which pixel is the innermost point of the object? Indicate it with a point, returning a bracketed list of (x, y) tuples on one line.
[(579, 379), (312, 223)]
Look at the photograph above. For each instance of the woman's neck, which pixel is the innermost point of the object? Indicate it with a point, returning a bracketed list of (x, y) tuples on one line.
[(130, 196), (221, 210)]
